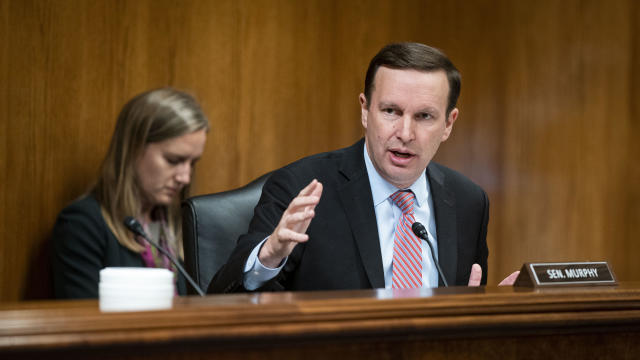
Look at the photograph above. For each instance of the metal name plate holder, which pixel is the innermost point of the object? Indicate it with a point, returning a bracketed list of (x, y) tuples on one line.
[(565, 274)]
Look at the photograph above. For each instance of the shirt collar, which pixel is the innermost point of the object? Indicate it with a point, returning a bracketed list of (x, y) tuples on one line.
[(381, 189)]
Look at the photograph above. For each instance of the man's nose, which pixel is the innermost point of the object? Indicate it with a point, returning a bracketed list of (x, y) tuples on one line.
[(405, 130)]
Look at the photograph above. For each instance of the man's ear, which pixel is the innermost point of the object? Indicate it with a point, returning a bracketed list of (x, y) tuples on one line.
[(448, 123), (364, 110)]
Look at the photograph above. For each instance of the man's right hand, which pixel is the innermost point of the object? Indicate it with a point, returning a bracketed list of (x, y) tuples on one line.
[(292, 227), (476, 276)]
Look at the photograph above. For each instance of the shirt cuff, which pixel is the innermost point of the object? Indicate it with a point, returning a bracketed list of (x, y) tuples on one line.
[(255, 273)]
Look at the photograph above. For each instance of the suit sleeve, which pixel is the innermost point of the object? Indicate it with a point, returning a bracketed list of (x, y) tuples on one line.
[(277, 193), (78, 252)]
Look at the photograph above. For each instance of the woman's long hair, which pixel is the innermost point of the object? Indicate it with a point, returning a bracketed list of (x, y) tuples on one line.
[(150, 117)]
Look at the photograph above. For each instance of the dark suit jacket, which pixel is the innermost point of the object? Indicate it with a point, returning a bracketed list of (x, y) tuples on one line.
[(82, 246), (343, 251)]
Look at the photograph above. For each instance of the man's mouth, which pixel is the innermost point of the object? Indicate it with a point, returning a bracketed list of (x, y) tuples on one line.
[(401, 154)]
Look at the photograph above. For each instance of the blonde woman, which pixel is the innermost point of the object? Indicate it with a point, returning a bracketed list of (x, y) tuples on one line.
[(159, 136)]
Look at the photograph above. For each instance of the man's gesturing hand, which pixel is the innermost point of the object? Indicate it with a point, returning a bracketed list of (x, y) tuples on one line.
[(476, 276), (292, 227)]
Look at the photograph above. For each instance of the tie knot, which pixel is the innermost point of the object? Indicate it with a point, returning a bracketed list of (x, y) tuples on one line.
[(404, 199)]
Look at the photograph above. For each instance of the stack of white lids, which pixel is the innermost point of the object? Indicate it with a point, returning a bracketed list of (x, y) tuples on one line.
[(135, 289)]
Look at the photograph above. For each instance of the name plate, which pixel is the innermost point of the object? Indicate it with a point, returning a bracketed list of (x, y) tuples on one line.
[(565, 274)]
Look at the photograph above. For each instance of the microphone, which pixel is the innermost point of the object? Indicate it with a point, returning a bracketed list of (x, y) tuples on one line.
[(421, 232), (135, 227)]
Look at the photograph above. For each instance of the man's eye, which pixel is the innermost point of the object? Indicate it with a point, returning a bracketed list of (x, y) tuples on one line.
[(389, 111), (425, 116)]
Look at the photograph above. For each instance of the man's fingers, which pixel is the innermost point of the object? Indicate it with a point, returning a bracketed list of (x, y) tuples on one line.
[(307, 190), (509, 280), (302, 202), (297, 217), (290, 235), (292, 226), (317, 190), (476, 275)]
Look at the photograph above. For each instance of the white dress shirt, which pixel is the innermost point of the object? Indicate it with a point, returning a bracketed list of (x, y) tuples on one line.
[(388, 215)]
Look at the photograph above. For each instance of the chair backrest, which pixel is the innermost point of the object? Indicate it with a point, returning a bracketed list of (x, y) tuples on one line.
[(211, 225)]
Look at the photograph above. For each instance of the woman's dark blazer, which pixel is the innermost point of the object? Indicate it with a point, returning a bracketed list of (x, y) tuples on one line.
[(82, 246)]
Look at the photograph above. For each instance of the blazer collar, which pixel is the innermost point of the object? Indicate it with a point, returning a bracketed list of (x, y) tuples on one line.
[(355, 195), (446, 223)]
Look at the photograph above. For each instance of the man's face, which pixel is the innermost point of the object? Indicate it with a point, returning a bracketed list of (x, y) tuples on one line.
[(406, 122)]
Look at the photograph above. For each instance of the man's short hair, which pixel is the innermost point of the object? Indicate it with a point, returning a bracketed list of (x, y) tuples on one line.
[(414, 56)]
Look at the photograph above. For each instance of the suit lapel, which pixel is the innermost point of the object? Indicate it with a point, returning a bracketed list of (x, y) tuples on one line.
[(357, 202), (446, 223)]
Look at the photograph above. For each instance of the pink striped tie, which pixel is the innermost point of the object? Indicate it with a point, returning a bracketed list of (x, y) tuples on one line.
[(407, 253)]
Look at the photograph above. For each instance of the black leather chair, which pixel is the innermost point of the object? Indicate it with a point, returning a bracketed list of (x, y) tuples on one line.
[(211, 225)]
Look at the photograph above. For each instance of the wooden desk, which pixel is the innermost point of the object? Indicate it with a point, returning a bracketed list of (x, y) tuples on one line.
[(454, 323)]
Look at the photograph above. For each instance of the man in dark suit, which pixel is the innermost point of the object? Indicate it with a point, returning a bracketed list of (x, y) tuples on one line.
[(339, 220)]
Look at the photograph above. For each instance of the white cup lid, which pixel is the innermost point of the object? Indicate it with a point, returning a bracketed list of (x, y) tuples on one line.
[(135, 275)]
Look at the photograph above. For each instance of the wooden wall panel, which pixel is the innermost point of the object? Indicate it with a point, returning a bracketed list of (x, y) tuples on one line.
[(548, 125), (627, 259), (5, 276)]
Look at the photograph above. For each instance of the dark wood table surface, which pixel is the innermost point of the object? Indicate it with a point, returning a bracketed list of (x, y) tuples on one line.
[(444, 323)]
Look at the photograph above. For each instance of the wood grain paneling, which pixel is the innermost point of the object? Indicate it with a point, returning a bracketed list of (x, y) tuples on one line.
[(630, 215), (548, 125), (5, 276)]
